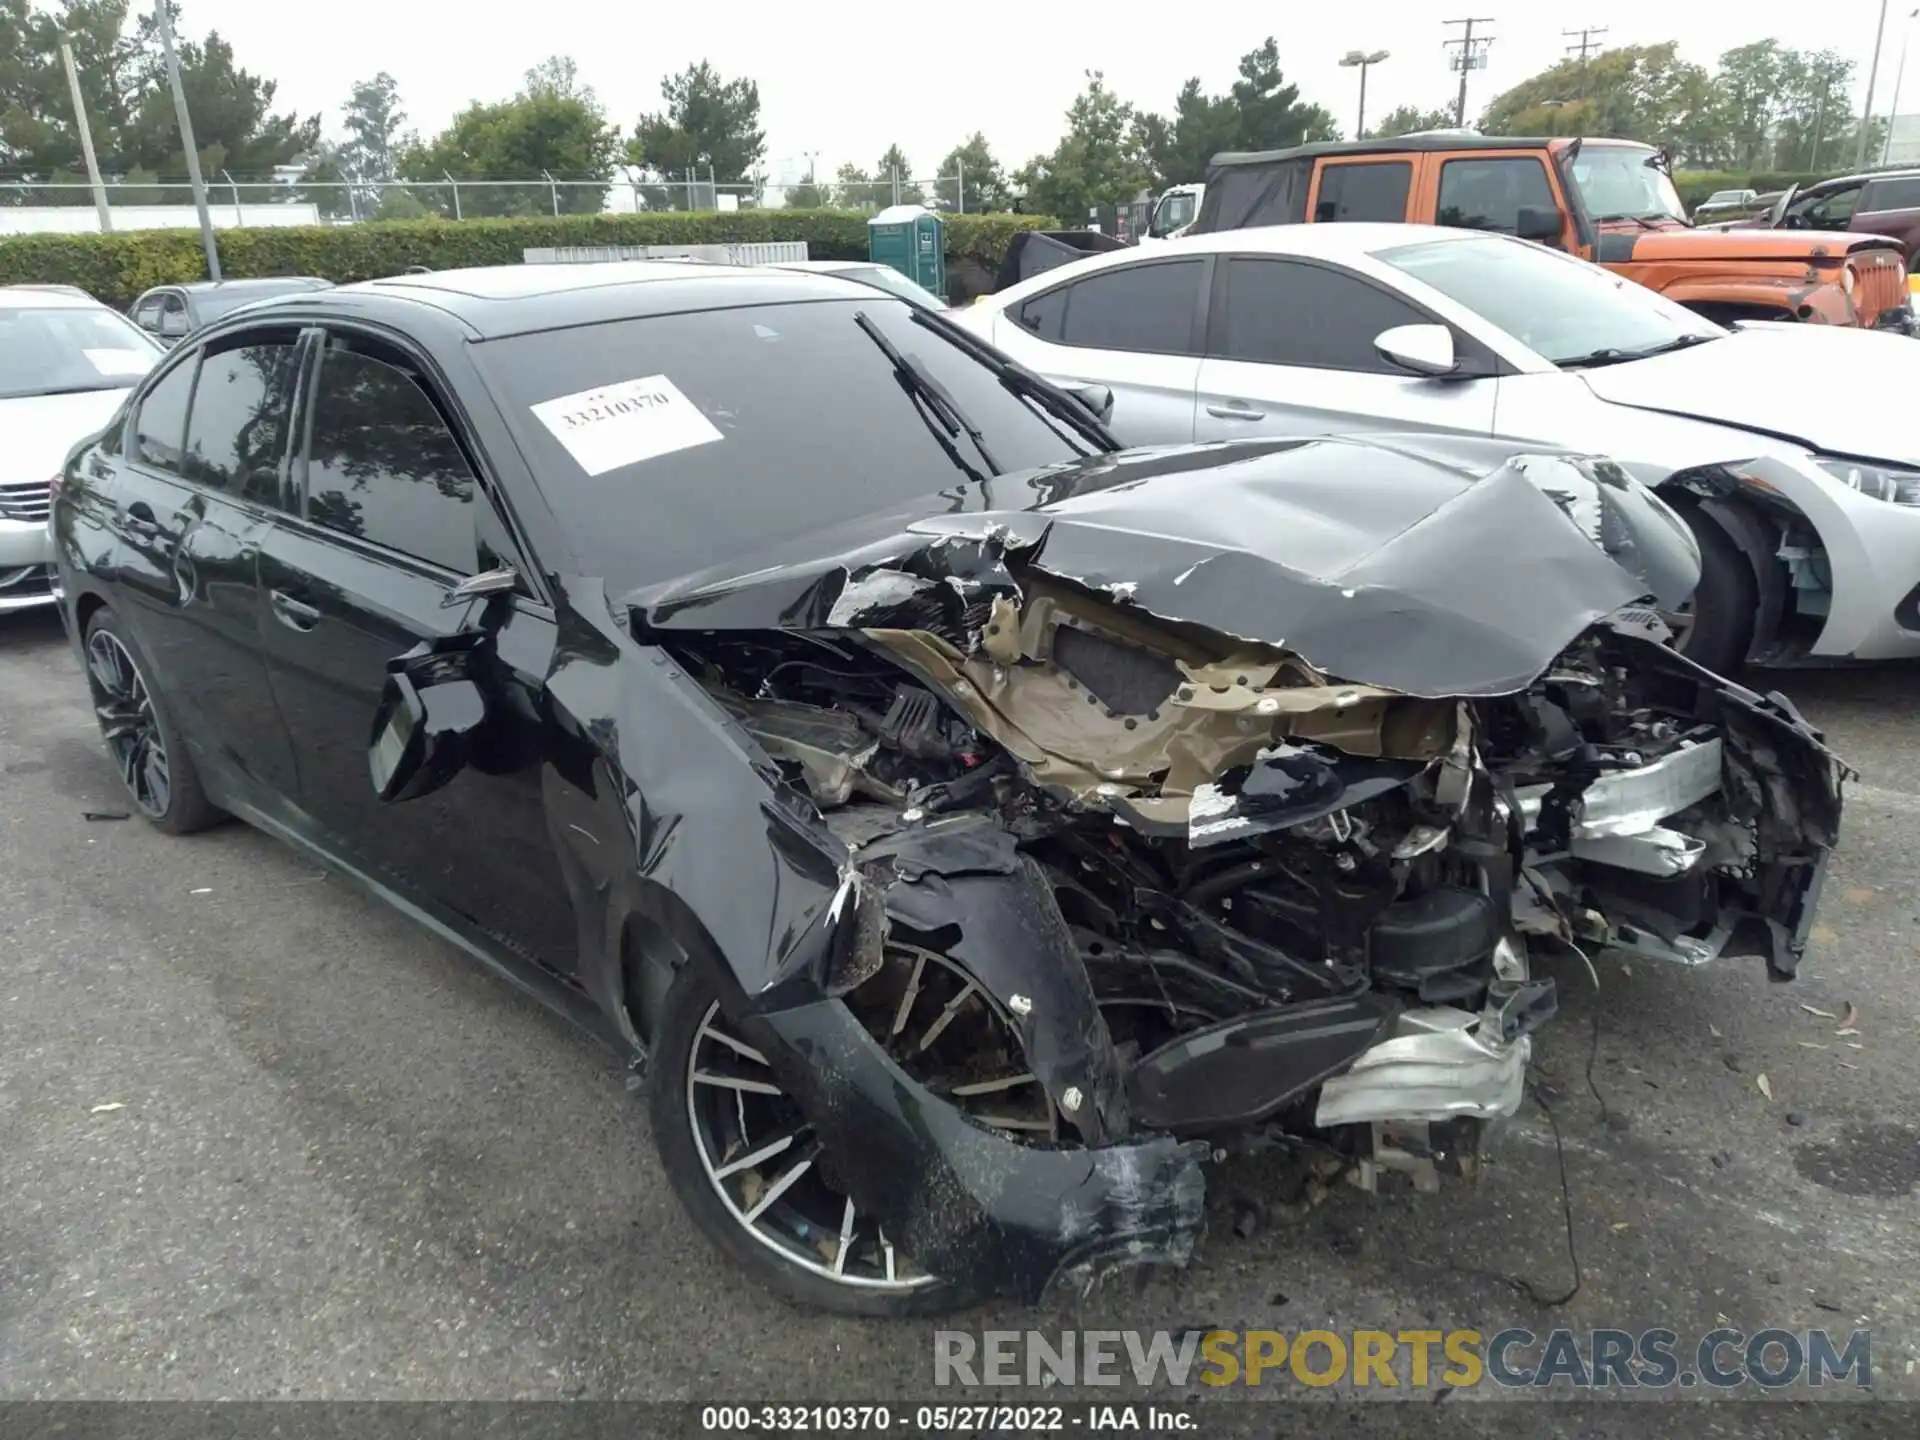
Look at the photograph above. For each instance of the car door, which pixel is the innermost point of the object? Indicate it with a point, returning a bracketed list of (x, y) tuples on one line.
[(1290, 352), (391, 515), (1134, 328), (200, 485)]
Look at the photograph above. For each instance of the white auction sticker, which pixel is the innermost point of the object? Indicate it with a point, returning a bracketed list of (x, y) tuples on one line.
[(119, 362), (626, 423)]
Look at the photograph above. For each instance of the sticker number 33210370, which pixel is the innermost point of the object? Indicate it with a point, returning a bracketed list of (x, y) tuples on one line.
[(626, 423)]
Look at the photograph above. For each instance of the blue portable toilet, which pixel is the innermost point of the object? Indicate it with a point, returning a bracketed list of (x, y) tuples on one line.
[(913, 240)]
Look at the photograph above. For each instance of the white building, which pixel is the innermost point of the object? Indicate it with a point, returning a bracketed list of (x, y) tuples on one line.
[(84, 220), (1904, 148)]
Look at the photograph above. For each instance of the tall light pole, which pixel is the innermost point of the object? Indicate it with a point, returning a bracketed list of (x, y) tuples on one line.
[(1899, 74), (1364, 60), (1873, 74), (186, 139), (86, 139)]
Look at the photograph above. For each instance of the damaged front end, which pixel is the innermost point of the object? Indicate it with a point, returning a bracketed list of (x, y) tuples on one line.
[(1192, 810)]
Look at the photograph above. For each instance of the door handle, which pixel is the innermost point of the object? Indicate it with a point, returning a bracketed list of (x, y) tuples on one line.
[(294, 614), (1238, 410), (139, 519)]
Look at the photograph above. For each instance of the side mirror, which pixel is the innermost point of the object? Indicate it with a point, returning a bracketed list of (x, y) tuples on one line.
[(1423, 349), (428, 713), (1538, 224), (173, 325), (1097, 398)]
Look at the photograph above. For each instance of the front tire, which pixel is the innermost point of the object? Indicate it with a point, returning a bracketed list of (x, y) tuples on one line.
[(1717, 628), (155, 768), (741, 1158)]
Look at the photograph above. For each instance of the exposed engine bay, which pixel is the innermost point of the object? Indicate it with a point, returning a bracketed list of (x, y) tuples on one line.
[(1247, 803), (1298, 904)]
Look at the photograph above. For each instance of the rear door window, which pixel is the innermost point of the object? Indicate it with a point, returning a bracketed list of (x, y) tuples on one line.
[(1148, 308), (1902, 193), (1282, 312), (1489, 194), (159, 430), (242, 406), (1373, 191)]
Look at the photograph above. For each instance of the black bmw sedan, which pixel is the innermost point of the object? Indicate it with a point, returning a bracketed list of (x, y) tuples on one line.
[(966, 828)]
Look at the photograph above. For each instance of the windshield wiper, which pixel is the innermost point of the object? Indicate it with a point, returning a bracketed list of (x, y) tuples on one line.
[(1644, 221), (1613, 355), (1032, 388), (942, 412)]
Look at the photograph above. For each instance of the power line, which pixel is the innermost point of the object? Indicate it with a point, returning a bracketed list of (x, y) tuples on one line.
[(1587, 42), (1472, 56)]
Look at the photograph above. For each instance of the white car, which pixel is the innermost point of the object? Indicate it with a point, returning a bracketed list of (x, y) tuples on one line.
[(66, 362), (1784, 446)]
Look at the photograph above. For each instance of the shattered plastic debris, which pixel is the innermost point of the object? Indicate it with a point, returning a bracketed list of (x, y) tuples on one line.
[(1766, 1088), (107, 1108)]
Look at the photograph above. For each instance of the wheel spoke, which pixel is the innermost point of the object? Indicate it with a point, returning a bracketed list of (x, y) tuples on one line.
[(913, 993), (739, 1047), (736, 1082), (846, 1241), (779, 1187), (946, 1016), (989, 1087), (765, 1152)]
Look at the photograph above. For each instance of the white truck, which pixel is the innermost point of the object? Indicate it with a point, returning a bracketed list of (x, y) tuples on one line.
[(1173, 212)]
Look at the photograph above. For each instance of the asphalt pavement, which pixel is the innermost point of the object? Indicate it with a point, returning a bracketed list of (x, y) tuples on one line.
[(262, 1137)]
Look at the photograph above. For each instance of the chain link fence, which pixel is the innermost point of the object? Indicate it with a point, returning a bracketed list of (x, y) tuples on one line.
[(243, 202)]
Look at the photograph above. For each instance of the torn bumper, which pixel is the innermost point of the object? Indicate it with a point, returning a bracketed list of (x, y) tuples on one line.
[(965, 1201)]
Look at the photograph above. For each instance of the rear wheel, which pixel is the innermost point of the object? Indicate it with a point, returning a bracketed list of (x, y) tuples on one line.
[(1715, 627), (140, 735)]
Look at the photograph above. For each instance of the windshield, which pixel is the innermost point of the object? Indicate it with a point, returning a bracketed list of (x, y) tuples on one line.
[(698, 439), (1625, 182), (57, 350), (1562, 308), (885, 277), (1172, 212)]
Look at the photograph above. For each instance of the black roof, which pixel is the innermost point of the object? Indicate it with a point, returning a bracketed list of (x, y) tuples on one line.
[(1424, 141), (490, 302)]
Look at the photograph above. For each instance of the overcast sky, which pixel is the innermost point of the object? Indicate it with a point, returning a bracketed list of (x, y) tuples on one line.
[(844, 81)]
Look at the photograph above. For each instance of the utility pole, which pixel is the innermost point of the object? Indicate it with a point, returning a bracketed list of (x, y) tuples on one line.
[(207, 241), (1587, 42), (86, 139), (1472, 55), (1899, 77), (1873, 74)]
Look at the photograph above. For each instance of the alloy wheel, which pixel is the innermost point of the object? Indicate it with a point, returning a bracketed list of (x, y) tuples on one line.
[(128, 723), (767, 1165)]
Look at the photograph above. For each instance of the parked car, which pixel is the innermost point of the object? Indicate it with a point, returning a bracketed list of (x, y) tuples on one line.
[(880, 277), (1886, 202), (966, 827), (1802, 486), (171, 312), (66, 362), (1609, 201), (1727, 204)]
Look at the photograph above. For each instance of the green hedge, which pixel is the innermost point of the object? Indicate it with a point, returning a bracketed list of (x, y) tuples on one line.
[(116, 268), (1696, 185)]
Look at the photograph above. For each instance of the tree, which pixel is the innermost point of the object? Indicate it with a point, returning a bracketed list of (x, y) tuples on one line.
[(854, 189), (709, 125), (809, 195), (1410, 120), (893, 177), (1095, 162), (1635, 92), (1260, 111), (540, 132), (234, 124), (975, 177)]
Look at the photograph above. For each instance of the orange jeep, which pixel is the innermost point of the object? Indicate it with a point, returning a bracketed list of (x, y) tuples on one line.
[(1609, 201)]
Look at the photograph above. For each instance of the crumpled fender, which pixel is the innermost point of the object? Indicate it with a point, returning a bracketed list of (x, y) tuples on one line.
[(964, 887), (965, 1201)]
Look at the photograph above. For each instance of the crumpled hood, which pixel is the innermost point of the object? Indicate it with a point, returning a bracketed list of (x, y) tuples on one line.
[(37, 431), (1382, 563), (1813, 385)]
